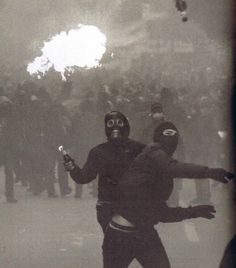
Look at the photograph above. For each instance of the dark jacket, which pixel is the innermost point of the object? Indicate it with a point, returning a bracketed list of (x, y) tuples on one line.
[(148, 184), (108, 162)]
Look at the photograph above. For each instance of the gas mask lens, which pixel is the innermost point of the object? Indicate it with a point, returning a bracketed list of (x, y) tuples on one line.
[(120, 123), (110, 123)]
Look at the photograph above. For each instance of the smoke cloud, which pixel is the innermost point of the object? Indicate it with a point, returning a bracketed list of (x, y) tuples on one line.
[(82, 47)]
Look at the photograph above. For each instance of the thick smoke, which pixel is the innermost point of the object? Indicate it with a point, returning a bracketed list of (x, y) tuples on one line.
[(82, 47)]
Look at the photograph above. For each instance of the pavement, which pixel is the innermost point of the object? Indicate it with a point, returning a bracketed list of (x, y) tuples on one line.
[(63, 232)]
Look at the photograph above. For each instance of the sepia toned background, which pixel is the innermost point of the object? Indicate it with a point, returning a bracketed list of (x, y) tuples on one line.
[(149, 50)]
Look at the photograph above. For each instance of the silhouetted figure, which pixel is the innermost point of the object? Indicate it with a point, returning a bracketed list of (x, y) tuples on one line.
[(21, 101), (157, 117), (7, 146), (144, 189), (41, 146), (229, 257), (108, 161)]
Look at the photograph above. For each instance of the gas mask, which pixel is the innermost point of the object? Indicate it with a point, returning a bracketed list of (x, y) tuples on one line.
[(157, 112), (116, 126), (167, 135), (158, 116)]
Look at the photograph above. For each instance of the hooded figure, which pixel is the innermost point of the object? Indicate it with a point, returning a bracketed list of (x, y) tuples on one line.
[(108, 161), (168, 136), (143, 192), (117, 127)]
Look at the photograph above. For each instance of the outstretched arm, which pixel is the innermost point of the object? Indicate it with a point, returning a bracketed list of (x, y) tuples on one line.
[(87, 173), (185, 170), (171, 167)]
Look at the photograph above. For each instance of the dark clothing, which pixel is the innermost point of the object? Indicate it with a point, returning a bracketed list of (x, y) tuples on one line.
[(104, 214), (229, 258), (9, 180), (41, 148), (148, 133), (120, 248), (147, 137), (8, 139), (109, 162), (144, 189), (147, 185)]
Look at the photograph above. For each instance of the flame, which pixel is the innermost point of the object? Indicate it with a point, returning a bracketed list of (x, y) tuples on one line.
[(81, 47)]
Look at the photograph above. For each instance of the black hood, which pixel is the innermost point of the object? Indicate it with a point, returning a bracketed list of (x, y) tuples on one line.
[(167, 135)]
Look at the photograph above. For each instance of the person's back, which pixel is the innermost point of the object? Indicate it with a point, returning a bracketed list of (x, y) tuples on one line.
[(146, 180), (144, 189)]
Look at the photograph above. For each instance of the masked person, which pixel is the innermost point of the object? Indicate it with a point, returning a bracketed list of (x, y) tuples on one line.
[(144, 189), (158, 116), (108, 161)]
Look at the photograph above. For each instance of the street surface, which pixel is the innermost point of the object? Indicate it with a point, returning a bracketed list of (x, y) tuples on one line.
[(39, 232)]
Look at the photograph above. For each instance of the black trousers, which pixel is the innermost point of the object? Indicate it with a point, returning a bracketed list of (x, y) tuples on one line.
[(120, 248)]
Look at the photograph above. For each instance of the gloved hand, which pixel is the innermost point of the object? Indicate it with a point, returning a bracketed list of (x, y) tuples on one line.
[(203, 211), (70, 165), (219, 174)]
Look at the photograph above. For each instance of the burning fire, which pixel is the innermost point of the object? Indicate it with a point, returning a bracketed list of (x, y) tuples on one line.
[(81, 47)]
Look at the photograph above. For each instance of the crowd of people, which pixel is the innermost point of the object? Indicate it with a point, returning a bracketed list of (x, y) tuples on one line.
[(35, 121), (124, 173)]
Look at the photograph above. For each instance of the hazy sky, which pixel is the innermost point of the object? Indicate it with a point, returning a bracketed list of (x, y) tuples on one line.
[(26, 24)]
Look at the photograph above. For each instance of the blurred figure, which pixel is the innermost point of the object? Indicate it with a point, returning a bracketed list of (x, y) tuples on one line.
[(21, 100), (41, 146), (7, 146), (157, 117), (174, 112), (201, 134), (87, 103), (104, 100), (182, 8)]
